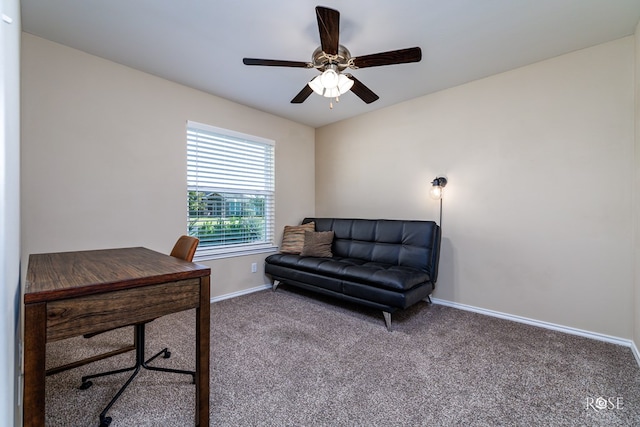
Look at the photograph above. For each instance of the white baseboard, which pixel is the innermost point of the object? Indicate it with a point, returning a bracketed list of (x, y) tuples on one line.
[(240, 293), (546, 325), (635, 351)]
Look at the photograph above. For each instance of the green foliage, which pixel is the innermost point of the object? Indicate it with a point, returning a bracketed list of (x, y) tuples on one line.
[(224, 205), (227, 231), (223, 219), (197, 202)]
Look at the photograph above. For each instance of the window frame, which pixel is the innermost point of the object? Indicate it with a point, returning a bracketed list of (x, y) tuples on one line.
[(209, 252)]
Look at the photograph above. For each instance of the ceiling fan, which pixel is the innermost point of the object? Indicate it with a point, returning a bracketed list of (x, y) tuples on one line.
[(332, 58)]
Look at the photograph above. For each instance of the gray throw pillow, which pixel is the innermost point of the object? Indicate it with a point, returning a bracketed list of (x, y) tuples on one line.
[(318, 244)]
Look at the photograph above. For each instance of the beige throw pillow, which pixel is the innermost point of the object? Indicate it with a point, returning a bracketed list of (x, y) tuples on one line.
[(293, 237), (317, 244)]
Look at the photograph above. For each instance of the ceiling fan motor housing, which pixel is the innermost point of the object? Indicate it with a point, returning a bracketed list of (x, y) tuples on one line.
[(321, 60)]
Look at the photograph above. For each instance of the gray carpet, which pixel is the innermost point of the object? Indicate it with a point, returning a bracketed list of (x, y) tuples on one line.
[(289, 359)]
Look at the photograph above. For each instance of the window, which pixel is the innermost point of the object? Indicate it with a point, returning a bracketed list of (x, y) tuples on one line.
[(230, 185)]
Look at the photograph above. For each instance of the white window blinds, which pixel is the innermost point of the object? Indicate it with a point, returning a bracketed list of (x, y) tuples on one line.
[(231, 190)]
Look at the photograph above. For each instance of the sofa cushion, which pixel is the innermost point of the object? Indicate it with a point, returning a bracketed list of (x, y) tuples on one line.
[(293, 237), (355, 270), (412, 244), (318, 244)]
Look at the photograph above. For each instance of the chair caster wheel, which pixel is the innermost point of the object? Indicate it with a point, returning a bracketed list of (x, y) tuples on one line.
[(167, 354), (85, 385), (105, 422)]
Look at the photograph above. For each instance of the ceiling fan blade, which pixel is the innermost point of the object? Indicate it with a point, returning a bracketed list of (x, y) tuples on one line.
[(302, 95), (401, 56), (329, 27), (276, 63), (363, 92)]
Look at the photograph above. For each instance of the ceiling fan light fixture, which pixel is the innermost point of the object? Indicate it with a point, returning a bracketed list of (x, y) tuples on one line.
[(329, 78), (344, 84), (316, 85), (333, 92)]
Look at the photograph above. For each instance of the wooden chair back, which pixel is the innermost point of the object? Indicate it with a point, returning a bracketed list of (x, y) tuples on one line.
[(185, 248)]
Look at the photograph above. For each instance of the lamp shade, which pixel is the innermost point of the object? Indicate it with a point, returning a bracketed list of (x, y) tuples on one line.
[(437, 187), (436, 192), (329, 79), (316, 85), (331, 92), (344, 83)]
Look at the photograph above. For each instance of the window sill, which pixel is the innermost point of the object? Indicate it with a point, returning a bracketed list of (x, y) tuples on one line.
[(213, 254)]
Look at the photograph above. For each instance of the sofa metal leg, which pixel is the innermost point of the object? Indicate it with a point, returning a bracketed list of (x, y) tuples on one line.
[(387, 319), (428, 299), (275, 285)]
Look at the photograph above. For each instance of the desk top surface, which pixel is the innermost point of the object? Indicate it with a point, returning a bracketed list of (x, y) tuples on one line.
[(61, 275)]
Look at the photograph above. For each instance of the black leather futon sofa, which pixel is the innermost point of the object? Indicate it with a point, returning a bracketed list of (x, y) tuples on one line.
[(384, 264)]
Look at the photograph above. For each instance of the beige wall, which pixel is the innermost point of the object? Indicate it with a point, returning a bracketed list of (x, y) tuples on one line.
[(538, 211), (10, 357), (104, 158)]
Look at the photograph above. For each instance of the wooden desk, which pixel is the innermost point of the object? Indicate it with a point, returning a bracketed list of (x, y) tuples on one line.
[(75, 293)]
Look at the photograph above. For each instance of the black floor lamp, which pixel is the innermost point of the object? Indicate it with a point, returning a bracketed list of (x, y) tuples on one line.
[(437, 187)]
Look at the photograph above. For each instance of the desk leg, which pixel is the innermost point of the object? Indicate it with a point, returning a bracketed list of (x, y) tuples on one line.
[(203, 327), (35, 340)]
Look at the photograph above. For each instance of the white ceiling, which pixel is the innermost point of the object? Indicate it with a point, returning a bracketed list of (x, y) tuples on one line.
[(201, 43)]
